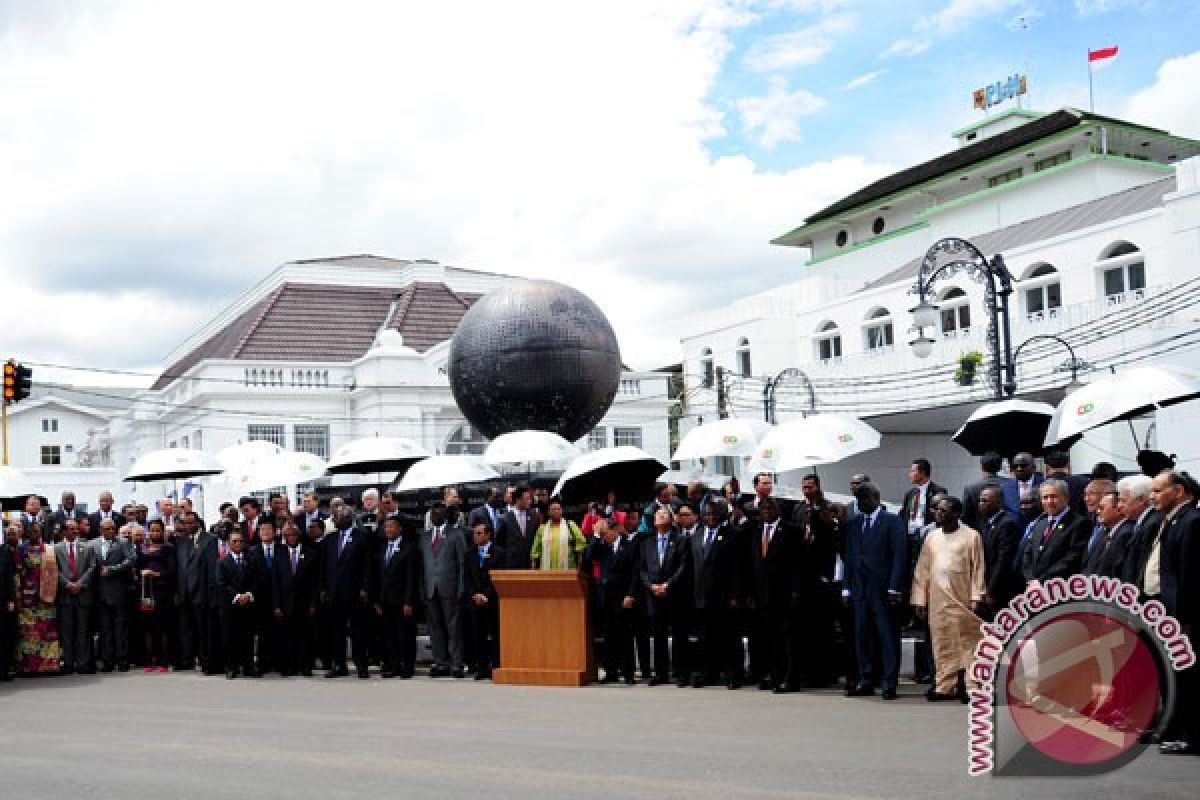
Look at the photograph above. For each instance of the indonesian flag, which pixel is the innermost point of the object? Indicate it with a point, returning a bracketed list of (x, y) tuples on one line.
[(1102, 57)]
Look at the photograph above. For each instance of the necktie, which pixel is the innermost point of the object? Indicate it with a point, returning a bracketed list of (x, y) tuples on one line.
[(104, 550), (1097, 537), (521, 520), (437, 542), (708, 538), (768, 530), (866, 525), (238, 560), (295, 558), (267, 552), (916, 504), (71, 559), (662, 548), (341, 545), (1050, 523), (391, 551), (482, 558)]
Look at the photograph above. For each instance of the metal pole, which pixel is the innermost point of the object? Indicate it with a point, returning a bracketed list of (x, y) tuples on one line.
[(722, 398), (4, 415), (1091, 93), (997, 364), (768, 391)]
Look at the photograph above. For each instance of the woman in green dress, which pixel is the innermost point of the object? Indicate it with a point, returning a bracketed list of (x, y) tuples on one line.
[(558, 543), (37, 623)]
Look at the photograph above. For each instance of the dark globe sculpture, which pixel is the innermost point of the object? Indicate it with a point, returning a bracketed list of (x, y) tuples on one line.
[(534, 355)]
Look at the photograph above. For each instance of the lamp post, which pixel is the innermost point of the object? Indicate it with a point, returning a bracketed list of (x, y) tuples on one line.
[(773, 383), (951, 256), (1073, 363)]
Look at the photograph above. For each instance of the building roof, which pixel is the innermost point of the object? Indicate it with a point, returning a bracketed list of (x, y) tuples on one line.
[(61, 402), (1094, 212), (1003, 142), (330, 322)]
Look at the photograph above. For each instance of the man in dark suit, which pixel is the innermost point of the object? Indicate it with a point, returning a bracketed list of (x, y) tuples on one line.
[(772, 555), (8, 610), (490, 513), (212, 553), (106, 511), (482, 556), (610, 560), (1134, 493), (295, 596), (76, 572), (269, 553), (238, 578), (989, 464), (395, 576), (715, 574), (515, 536), (345, 593), (114, 575), (1058, 465), (916, 509), (251, 515), (443, 553), (1179, 583), (309, 513), (1025, 478), (876, 574), (1001, 537), (662, 499), (1105, 555), (815, 519), (67, 511), (662, 575), (190, 541), (1056, 544)]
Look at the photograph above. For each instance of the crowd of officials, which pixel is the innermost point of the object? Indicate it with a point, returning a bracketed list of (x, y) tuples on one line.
[(694, 588)]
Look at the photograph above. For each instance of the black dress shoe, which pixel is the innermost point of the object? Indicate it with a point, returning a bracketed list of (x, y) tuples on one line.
[(888, 694), (682, 682), (438, 672), (657, 681), (483, 675), (459, 673), (363, 674), (66, 671), (337, 672), (107, 668), (765, 685), (122, 668), (733, 683), (934, 696), (387, 674), (231, 674), (630, 680), (697, 682), (253, 672), (87, 670), (405, 674), (786, 688), (606, 679), (307, 673), (923, 679), (861, 690)]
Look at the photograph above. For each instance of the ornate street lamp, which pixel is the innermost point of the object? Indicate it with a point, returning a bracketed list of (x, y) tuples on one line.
[(773, 383), (1073, 364)]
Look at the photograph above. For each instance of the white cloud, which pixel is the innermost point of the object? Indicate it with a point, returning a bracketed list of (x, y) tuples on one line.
[(864, 79), (952, 18), (157, 158), (1172, 101), (907, 46), (775, 117), (799, 48)]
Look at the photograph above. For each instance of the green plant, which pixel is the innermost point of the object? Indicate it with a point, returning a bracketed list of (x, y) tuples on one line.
[(968, 364)]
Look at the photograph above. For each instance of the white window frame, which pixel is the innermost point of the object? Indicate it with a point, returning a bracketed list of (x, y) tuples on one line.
[(312, 439), (275, 433), (631, 436)]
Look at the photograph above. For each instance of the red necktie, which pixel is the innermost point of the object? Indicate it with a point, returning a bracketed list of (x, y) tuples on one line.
[(437, 543), (71, 558)]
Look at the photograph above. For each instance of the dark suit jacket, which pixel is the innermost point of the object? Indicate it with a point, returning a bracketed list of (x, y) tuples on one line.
[(193, 583), (1061, 554), (481, 514), (300, 520), (516, 545), (910, 497), (671, 570), (299, 592), (615, 580), (210, 556), (1108, 556), (772, 579), (1140, 546), (819, 549), (970, 499), (60, 517), (1012, 492), (715, 574), (477, 579), (877, 561), (257, 552), (1075, 485), (1001, 535), (396, 582), (7, 587), (1180, 566), (232, 580), (85, 567), (344, 576), (113, 590), (95, 518)]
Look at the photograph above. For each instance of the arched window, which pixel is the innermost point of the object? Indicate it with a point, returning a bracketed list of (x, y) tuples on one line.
[(828, 341), (743, 357), (1041, 292), (955, 310), (877, 330), (466, 441), (708, 374), (1122, 269)]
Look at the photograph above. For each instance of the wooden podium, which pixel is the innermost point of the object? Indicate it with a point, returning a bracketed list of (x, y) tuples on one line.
[(545, 628)]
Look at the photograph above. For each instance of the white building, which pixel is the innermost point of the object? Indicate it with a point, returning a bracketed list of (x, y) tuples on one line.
[(327, 350), (1098, 219)]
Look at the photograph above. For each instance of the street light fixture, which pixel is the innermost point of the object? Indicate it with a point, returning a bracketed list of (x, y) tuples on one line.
[(922, 346), (925, 314), (1073, 364)]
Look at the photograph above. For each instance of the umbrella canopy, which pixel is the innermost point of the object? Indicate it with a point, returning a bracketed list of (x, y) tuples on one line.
[(814, 440), (285, 468), (629, 471), (527, 447), (15, 489), (682, 477), (726, 437), (173, 463), (376, 454), (1126, 395), (1006, 427), (438, 471)]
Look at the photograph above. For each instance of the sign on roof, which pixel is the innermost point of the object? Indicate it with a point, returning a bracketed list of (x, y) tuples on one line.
[(996, 93)]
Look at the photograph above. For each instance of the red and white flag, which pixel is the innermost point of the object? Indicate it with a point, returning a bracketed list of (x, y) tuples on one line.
[(1102, 57)]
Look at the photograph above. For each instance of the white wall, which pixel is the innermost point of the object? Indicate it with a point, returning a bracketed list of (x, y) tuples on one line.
[(26, 438)]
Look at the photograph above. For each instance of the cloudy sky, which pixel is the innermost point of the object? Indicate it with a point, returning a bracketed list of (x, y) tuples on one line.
[(158, 158)]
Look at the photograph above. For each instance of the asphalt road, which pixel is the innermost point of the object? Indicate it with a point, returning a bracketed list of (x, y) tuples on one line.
[(182, 736)]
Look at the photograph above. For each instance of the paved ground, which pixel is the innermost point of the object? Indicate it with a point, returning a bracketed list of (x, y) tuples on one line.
[(182, 736)]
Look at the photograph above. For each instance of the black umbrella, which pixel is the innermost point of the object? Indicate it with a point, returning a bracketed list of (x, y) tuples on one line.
[(628, 471), (1006, 427)]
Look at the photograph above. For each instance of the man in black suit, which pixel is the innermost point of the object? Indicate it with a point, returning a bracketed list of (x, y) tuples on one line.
[(1104, 555), (345, 594), (491, 512), (1058, 541), (238, 579), (67, 511), (483, 556), (716, 570), (8, 610), (609, 559), (269, 630), (190, 541), (662, 575), (309, 513), (1058, 465), (295, 595), (251, 515), (106, 512), (114, 575), (395, 576), (989, 464), (638, 619), (212, 553), (1000, 536), (516, 533), (1134, 493), (772, 591), (819, 603), (662, 499)]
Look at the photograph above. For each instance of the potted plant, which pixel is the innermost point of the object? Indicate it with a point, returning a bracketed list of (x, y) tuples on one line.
[(968, 364)]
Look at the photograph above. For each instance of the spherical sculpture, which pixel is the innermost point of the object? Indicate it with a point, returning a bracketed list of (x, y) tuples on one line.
[(534, 355)]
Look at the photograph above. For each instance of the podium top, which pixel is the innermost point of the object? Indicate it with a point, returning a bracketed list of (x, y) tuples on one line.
[(539, 583)]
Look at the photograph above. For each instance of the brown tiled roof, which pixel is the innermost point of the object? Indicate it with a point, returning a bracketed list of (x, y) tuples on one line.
[(324, 322)]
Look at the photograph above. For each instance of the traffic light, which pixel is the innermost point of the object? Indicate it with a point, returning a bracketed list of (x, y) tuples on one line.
[(18, 380)]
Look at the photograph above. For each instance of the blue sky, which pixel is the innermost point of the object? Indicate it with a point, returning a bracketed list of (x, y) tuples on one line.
[(824, 48)]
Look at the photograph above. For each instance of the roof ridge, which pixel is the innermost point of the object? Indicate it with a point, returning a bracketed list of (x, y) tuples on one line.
[(250, 329), (404, 302)]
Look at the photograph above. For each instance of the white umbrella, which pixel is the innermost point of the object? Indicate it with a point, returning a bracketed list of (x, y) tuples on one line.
[(1125, 395), (527, 447), (629, 471), (240, 456), (682, 477), (726, 437), (173, 463), (285, 468), (438, 471), (376, 454), (811, 441)]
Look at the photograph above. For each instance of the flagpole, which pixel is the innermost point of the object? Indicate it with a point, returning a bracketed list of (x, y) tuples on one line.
[(1091, 91)]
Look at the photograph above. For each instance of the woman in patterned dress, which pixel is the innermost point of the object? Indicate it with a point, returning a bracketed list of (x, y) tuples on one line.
[(37, 623)]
